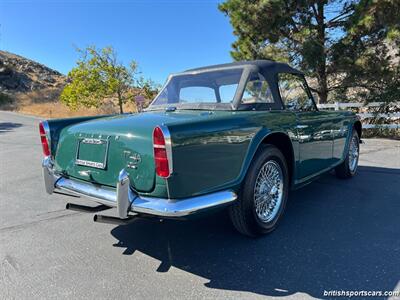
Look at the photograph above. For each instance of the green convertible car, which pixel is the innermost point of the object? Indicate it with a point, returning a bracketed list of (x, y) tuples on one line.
[(238, 136)]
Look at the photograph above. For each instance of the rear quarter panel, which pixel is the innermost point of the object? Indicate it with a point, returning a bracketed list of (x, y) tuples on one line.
[(341, 132), (215, 154)]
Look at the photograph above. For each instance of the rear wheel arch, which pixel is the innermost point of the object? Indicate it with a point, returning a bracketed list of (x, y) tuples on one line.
[(281, 141), (245, 213), (357, 126)]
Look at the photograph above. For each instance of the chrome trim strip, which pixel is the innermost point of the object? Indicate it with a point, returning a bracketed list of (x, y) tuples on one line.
[(168, 146), (46, 128), (125, 200), (301, 126)]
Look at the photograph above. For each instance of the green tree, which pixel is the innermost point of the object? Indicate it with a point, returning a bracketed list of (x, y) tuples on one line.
[(147, 88), (98, 76), (368, 54), (323, 38)]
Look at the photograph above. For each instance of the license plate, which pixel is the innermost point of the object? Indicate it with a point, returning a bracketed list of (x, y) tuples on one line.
[(92, 153)]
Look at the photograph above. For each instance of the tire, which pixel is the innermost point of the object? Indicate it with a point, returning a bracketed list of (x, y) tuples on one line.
[(348, 167), (251, 219)]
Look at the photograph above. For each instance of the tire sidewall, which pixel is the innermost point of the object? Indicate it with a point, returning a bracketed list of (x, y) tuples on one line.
[(353, 172), (267, 153)]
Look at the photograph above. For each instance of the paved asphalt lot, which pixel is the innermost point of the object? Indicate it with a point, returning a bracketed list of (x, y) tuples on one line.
[(337, 234)]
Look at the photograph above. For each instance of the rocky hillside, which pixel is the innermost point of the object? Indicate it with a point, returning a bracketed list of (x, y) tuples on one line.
[(21, 75), (31, 88)]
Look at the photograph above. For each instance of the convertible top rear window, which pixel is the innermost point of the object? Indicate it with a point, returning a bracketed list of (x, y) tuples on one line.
[(205, 89)]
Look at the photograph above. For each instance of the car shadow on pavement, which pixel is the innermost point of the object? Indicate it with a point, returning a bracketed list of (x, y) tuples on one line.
[(8, 126), (336, 235)]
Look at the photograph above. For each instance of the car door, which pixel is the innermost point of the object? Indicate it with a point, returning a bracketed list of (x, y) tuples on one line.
[(313, 127)]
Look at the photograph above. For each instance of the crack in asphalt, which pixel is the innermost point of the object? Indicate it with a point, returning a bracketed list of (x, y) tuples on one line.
[(24, 225)]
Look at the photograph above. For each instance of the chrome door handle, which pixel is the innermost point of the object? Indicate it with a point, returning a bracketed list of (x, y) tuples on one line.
[(301, 126)]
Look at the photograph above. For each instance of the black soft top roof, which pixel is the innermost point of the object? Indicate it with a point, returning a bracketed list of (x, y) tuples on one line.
[(265, 66)]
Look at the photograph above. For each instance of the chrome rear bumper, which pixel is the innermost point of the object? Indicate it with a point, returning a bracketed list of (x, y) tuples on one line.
[(125, 200)]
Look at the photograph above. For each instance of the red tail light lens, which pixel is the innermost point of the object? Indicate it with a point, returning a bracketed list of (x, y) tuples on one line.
[(160, 153), (43, 139)]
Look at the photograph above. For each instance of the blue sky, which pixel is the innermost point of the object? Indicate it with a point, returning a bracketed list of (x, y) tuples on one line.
[(162, 36)]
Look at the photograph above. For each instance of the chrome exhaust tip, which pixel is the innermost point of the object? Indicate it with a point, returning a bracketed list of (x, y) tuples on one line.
[(113, 220)]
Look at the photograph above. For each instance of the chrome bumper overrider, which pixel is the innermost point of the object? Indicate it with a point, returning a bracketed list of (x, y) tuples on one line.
[(125, 200)]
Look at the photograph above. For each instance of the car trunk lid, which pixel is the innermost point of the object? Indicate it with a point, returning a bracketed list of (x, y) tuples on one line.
[(98, 150)]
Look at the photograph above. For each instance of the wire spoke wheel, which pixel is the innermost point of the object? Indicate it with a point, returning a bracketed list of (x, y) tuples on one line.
[(353, 154), (268, 191)]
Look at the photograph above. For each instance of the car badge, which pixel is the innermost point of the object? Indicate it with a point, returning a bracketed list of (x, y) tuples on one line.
[(133, 159)]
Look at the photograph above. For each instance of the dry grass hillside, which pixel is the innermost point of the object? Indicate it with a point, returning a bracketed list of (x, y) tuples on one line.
[(31, 88)]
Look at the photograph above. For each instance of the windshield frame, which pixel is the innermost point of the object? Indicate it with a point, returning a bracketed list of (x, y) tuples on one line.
[(246, 71)]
